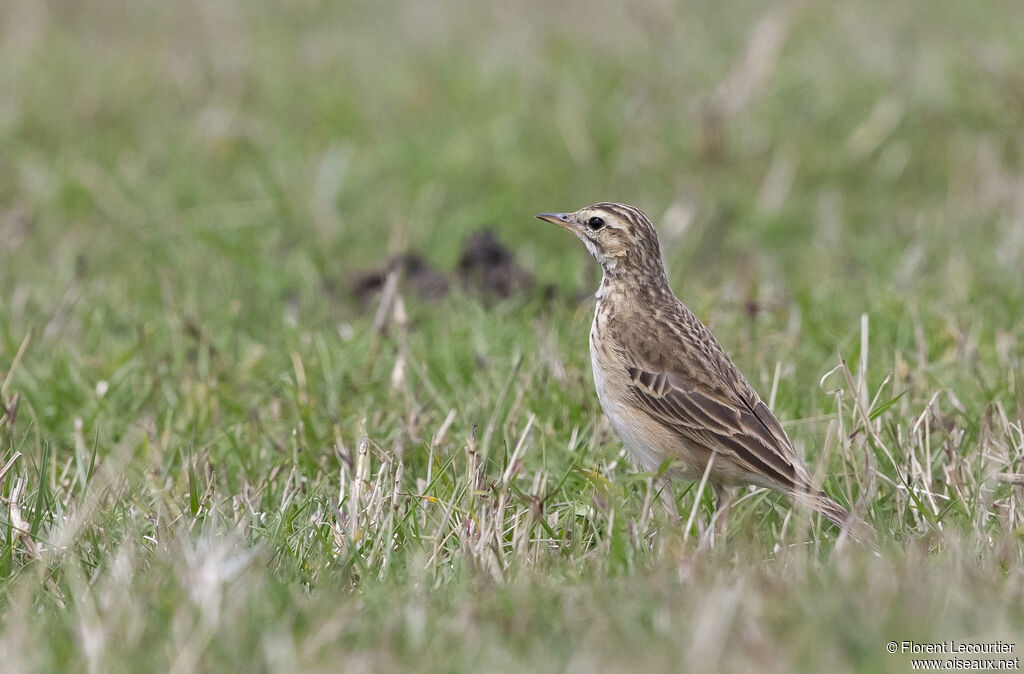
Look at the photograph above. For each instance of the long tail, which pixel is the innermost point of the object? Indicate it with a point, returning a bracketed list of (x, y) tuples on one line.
[(838, 515)]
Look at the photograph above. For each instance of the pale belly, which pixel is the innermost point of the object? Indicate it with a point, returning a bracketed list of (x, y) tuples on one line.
[(647, 442)]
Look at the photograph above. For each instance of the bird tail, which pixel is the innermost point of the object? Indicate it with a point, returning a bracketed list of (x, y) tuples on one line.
[(853, 525)]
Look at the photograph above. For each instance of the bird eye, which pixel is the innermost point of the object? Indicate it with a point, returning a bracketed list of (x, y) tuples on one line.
[(595, 223)]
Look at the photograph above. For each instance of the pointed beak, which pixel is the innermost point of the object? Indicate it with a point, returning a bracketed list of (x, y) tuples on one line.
[(560, 219)]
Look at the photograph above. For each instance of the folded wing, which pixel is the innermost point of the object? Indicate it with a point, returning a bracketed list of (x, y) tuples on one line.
[(722, 420)]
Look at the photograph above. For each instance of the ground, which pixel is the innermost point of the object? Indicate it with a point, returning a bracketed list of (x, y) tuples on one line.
[(232, 440)]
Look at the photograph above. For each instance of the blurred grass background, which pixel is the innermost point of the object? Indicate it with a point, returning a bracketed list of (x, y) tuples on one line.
[(187, 189)]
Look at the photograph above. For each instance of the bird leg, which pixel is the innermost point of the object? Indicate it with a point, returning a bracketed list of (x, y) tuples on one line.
[(668, 498), (723, 504)]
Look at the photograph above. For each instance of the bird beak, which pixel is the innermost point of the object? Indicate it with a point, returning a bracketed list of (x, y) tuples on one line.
[(560, 219)]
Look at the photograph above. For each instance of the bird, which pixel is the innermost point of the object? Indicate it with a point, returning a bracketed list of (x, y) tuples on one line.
[(670, 391)]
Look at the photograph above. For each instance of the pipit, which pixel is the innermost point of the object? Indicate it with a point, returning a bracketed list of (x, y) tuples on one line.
[(666, 384)]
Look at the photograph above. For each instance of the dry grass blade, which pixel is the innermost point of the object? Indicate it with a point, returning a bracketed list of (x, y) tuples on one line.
[(14, 365)]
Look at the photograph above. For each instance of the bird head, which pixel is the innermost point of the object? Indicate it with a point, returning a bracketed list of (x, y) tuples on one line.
[(620, 237)]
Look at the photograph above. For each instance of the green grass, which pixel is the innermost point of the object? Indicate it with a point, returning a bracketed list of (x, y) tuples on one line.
[(217, 462)]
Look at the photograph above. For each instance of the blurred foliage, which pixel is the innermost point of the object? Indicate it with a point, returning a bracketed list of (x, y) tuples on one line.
[(187, 191)]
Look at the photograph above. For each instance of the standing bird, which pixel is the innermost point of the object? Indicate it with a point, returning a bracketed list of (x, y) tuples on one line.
[(664, 381)]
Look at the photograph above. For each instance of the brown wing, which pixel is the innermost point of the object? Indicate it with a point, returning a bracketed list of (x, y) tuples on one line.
[(732, 422)]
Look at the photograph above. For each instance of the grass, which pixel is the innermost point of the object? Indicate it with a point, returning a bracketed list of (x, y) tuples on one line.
[(212, 458)]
